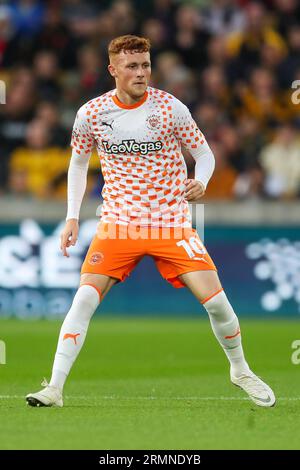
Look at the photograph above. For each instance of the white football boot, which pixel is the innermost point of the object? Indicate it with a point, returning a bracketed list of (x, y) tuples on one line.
[(49, 396), (258, 391)]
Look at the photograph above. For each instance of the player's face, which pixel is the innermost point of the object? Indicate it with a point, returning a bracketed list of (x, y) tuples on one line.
[(132, 72)]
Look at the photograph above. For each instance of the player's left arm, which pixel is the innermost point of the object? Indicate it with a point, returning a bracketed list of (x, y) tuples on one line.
[(190, 136)]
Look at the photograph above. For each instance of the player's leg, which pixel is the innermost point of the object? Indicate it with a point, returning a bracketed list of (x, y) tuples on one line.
[(206, 287), (109, 259), (92, 289)]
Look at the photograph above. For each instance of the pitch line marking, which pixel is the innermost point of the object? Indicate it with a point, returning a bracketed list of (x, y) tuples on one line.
[(78, 397)]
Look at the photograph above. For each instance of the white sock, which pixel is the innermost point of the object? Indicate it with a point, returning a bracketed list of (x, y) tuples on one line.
[(226, 328), (73, 333)]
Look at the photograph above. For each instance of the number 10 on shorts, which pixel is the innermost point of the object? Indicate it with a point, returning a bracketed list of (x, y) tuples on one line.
[(193, 247)]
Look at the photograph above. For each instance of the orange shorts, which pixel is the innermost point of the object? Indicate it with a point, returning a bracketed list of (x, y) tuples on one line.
[(116, 250)]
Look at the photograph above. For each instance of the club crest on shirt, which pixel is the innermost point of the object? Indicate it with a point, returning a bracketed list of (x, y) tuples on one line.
[(153, 121), (96, 258)]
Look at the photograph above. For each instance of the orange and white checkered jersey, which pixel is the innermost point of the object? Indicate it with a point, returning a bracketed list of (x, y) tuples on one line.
[(140, 154)]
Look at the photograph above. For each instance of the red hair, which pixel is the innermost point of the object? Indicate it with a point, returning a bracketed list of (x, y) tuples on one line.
[(128, 43)]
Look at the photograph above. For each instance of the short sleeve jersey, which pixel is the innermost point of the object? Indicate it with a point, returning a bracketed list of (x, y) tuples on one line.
[(139, 147)]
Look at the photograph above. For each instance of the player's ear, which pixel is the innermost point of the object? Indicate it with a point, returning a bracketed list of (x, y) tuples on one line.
[(112, 70)]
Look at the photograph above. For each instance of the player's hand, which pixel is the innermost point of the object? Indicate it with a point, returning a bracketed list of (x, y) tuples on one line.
[(69, 236), (194, 190)]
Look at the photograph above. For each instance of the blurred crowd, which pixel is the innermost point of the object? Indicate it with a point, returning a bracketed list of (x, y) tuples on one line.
[(232, 62)]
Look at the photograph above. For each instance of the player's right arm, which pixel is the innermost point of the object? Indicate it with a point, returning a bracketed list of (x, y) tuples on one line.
[(82, 143), (190, 136)]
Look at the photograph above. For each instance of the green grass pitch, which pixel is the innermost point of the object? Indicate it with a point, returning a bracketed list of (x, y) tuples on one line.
[(149, 383)]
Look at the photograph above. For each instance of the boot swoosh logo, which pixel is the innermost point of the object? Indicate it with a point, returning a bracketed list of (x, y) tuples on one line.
[(263, 400)]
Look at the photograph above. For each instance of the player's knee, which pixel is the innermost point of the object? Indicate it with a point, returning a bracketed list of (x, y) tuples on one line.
[(213, 297), (100, 282), (219, 307)]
